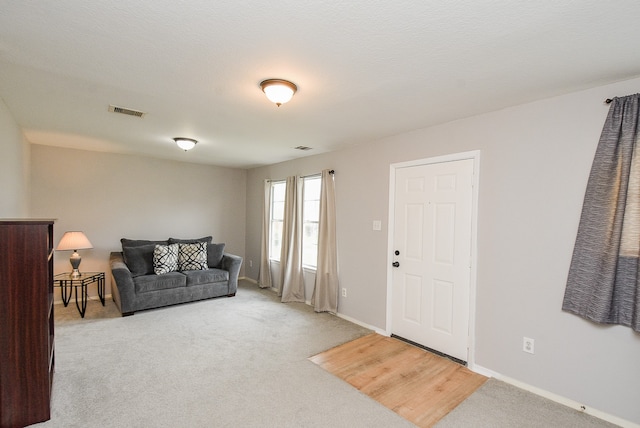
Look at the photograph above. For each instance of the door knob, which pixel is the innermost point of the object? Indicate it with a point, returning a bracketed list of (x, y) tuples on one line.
[(396, 264)]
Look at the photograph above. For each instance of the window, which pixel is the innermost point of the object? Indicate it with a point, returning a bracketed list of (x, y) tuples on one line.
[(310, 219), (277, 217)]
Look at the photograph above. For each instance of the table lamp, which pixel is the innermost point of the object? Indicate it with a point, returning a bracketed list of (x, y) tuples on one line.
[(75, 241)]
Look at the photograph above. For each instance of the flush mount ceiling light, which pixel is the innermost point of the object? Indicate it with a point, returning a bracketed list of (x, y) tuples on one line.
[(278, 91), (185, 143)]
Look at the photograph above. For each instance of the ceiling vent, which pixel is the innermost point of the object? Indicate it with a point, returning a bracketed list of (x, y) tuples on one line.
[(303, 148), (127, 111)]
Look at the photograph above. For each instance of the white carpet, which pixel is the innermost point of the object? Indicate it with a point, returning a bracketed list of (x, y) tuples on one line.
[(500, 405), (228, 362), (239, 362)]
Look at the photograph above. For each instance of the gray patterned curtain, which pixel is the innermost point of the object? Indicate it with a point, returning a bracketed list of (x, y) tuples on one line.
[(603, 282)]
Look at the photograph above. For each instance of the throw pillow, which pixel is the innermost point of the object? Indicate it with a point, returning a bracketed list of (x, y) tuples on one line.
[(137, 243), (139, 260), (140, 242), (192, 256), (206, 239), (214, 254), (165, 258)]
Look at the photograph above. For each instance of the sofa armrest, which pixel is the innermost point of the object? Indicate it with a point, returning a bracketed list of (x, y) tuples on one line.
[(122, 287), (232, 264)]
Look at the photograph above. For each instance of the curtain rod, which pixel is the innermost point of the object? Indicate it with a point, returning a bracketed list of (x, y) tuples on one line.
[(316, 174), (332, 172), (608, 100)]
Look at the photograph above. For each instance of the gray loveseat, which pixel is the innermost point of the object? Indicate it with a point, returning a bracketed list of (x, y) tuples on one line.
[(136, 286)]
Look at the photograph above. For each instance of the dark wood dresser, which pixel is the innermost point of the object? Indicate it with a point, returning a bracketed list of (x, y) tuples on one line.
[(26, 321)]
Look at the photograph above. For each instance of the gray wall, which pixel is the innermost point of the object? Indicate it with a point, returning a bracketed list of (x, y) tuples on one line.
[(14, 167), (535, 160), (113, 196)]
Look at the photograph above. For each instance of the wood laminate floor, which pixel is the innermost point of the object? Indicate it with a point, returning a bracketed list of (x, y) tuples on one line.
[(420, 386)]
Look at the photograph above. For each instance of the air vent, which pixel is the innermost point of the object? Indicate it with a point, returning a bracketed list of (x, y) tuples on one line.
[(127, 111), (303, 148)]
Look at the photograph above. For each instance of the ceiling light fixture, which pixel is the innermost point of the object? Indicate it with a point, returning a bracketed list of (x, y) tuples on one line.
[(278, 91), (185, 143)]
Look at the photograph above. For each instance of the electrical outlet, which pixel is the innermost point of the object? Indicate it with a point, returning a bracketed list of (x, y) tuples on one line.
[(344, 292), (527, 345), (250, 263)]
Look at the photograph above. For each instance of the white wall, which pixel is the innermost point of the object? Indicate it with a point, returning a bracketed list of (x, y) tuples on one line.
[(114, 196), (535, 161), (14, 167)]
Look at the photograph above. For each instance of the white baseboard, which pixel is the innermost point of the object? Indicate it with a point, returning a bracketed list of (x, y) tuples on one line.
[(361, 324), (108, 296), (555, 397), (353, 320), (96, 297)]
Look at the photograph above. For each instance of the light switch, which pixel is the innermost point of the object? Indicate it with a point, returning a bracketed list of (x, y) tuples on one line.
[(377, 225)]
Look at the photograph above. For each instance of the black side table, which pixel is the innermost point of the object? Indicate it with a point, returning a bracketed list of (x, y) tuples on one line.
[(67, 283)]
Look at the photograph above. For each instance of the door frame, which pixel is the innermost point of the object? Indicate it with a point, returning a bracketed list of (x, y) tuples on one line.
[(475, 156)]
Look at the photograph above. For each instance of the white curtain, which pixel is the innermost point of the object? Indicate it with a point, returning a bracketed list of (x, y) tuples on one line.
[(325, 292), (264, 279), (292, 277)]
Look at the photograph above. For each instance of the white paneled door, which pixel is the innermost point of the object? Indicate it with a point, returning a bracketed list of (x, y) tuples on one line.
[(432, 255)]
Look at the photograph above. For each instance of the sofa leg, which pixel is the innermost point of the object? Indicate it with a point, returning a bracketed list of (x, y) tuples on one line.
[(231, 295)]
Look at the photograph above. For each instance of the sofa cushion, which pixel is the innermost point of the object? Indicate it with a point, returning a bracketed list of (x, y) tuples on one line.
[(214, 254), (165, 258), (139, 260), (206, 239), (196, 277), (154, 282), (192, 256), (140, 242)]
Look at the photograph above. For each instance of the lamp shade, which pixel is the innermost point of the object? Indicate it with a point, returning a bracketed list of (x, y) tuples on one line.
[(278, 91), (74, 240)]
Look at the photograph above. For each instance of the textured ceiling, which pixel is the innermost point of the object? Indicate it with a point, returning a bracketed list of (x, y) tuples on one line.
[(365, 69)]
